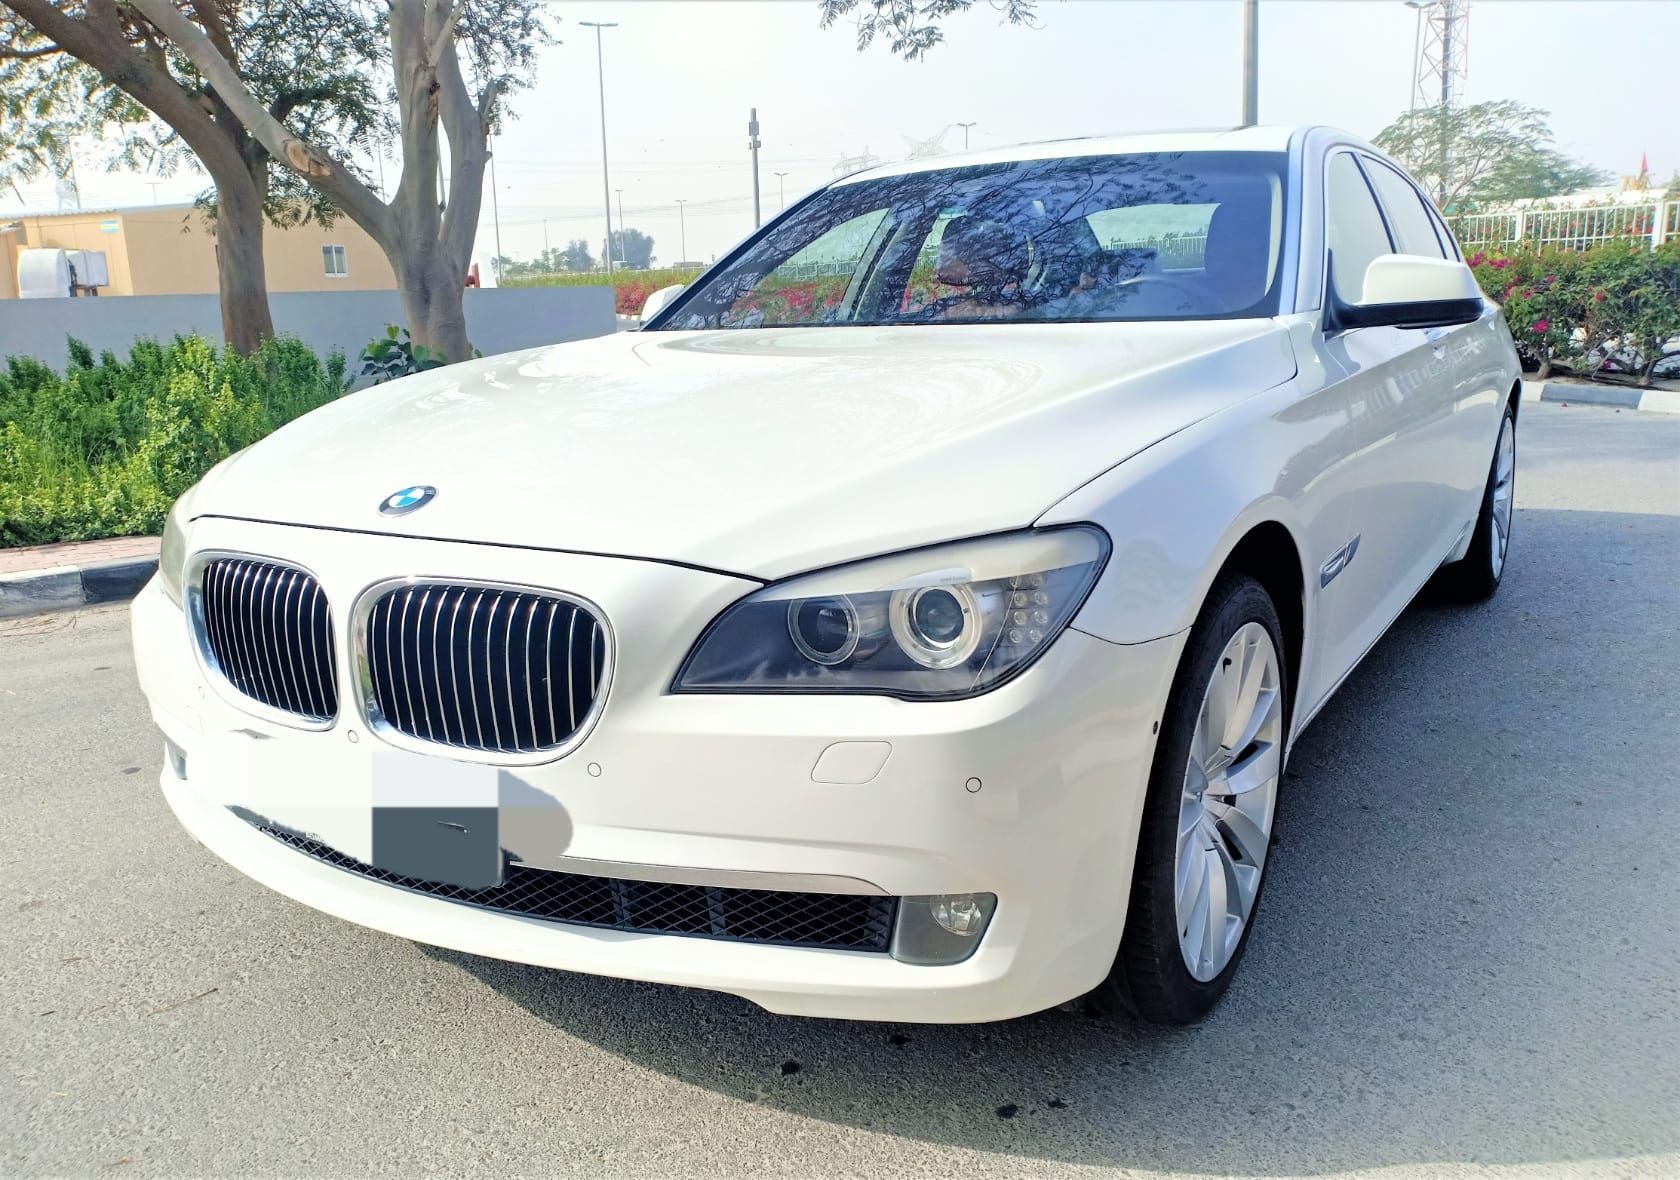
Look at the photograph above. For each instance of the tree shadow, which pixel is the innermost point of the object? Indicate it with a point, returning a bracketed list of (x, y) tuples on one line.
[(1466, 954)]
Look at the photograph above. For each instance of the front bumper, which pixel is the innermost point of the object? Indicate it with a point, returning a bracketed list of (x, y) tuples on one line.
[(1032, 792)]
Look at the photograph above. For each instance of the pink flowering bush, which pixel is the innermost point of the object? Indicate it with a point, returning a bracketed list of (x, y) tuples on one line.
[(1593, 311)]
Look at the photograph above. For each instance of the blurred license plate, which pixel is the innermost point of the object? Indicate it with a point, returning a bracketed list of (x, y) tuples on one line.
[(436, 820)]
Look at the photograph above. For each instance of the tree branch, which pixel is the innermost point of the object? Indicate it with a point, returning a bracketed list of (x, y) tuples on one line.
[(314, 165), (288, 101), (98, 40), (469, 153), (445, 35), (29, 54)]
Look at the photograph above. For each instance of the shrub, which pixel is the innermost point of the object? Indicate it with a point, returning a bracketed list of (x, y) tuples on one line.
[(396, 355), (104, 449), (632, 287), (1595, 311)]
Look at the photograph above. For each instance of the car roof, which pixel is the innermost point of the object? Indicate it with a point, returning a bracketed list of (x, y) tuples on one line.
[(1223, 139)]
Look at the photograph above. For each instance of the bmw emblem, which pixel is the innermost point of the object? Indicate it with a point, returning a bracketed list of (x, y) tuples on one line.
[(407, 500)]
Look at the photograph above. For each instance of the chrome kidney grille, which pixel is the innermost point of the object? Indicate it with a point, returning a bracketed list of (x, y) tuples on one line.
[(482, 668), (268, 631)]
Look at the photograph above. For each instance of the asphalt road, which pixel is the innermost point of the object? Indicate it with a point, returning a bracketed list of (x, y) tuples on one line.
[(1467, 962)]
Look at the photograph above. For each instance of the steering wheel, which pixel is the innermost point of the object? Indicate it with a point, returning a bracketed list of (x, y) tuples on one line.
[(1198, 297)]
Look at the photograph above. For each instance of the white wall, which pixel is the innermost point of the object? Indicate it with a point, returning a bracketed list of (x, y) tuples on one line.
[(500, 320)]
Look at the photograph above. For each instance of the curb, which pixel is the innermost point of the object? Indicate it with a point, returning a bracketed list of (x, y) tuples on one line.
[(69, 587), (1660, 401)]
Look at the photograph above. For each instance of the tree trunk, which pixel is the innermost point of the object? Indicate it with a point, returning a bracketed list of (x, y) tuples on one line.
[(246, 320), (432, 291)]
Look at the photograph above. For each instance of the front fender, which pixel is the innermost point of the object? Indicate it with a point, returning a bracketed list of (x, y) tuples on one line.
[(1176, 511)]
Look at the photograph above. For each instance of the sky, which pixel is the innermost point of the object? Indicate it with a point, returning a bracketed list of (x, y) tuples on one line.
[(681, 75)]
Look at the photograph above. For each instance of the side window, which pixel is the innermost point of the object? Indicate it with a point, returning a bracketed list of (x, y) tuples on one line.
[(1413, 230), (1354, 230), (1447, 240), (809, 286)]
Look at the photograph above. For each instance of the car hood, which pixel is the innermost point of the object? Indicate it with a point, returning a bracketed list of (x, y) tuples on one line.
[(761, 452)]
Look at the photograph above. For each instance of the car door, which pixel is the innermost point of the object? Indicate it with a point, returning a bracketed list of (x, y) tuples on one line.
[(1401, 390), (1460, 440)]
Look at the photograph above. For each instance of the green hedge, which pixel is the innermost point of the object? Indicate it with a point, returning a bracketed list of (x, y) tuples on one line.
[(104, 449), (631, 287), (1605, 310)]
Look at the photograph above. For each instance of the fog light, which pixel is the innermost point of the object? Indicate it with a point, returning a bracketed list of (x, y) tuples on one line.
[(941, 929), (177, 759), (960, 913)]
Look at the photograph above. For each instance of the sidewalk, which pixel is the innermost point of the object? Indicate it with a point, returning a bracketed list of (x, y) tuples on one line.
[(77, 573)]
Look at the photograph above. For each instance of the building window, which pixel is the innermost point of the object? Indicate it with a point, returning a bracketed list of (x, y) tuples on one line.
[(332, 257)]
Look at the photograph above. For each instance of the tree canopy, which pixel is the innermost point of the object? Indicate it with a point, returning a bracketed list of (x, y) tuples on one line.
[(632, 248), (911, 27), (1489, 151), (96, 70)]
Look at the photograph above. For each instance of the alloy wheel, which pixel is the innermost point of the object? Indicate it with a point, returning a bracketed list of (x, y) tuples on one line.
[(1504, 485), (1229, 801)]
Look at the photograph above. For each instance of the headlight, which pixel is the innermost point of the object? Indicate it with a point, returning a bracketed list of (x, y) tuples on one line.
[(172, 553), (950, 621)]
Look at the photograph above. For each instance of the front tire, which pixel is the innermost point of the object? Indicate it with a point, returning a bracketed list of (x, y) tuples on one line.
[(1476, 576), (1208, 814)]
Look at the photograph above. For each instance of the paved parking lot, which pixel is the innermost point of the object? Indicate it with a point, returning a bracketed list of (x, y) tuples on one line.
[(1468, 960)]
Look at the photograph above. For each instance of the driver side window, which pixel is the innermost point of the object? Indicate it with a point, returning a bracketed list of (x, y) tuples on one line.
[(1354, 229)]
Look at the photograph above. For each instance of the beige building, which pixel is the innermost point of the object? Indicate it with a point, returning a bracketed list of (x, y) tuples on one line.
[(171, 250)]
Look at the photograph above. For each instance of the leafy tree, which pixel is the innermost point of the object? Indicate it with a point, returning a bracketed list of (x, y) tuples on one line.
[(449, 64), (96, 68), (632, 248), (576, 256), (1490, 151), (911, 27)]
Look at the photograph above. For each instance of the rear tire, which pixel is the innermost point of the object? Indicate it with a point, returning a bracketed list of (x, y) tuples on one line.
[(1208, 813), (1476, 576)]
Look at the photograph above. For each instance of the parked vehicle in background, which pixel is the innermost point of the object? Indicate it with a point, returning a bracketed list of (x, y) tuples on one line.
[(911, 622)]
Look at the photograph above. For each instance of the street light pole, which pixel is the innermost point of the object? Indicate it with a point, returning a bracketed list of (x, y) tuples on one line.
[(1251, 63), (621, 242), (753, 145), (601, 84), (781, 188), (965, 127), (682, 229)]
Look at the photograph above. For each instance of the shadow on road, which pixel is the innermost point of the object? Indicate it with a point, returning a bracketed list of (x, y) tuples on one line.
[(1460, 958)]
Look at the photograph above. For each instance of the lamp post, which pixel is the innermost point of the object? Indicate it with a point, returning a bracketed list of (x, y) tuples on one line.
[(753, 145), (1251, 63), (682, 229), (601, 85), (965, 127), (781, 188), (621, 256)]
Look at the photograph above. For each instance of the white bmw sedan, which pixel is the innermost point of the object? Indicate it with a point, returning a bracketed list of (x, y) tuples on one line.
[(911, 622)]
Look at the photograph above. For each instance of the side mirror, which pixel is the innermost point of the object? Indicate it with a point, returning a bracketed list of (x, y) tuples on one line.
[(1405, 291), (659, 300)]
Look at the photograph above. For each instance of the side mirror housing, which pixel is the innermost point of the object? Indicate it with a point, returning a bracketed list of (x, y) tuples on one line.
[(659, 300), (1405, 291)]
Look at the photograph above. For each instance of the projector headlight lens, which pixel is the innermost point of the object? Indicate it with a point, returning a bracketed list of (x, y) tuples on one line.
[(938, 623)]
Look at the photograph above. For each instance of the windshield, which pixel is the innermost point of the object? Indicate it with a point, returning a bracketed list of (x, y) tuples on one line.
[(1148, 236)]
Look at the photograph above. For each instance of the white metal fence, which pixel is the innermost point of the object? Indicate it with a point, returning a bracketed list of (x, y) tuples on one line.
[(1651, 222)]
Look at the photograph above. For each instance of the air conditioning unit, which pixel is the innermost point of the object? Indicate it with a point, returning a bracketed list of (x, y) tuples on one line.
[(59, 274), (90, 268)]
